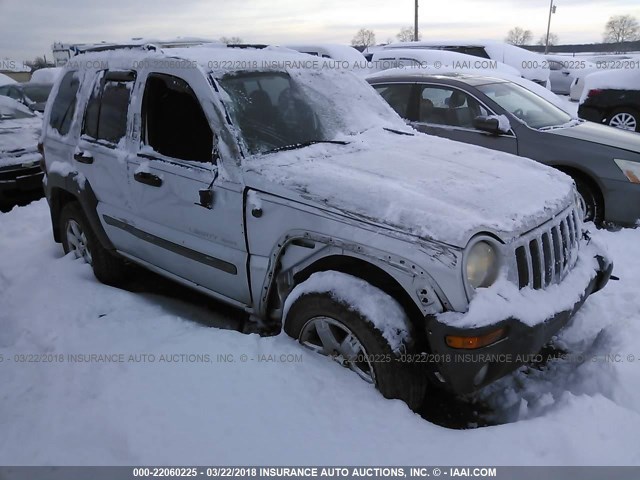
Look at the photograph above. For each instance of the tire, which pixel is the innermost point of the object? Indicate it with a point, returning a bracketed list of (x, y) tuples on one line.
[(393, 378), (592, 202), (626, 119), (78, 237)]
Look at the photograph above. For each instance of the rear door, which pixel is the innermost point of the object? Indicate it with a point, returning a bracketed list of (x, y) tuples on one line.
[(102, 148), (188, 218)]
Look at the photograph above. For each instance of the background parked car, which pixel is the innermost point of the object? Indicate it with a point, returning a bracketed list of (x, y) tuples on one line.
[(20, 174), (441, 60), (501, 115), (565, 70), (341, 53), (612, 98), (6, 80), (32, 95), (46, 75), (530, 65)]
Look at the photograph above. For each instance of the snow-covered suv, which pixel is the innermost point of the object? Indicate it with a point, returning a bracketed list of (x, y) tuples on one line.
[(299, 196)]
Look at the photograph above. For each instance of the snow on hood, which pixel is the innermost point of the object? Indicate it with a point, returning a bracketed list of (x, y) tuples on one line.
[(422, 185)]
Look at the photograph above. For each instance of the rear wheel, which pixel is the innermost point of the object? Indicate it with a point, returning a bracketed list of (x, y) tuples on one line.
[(78, 238), (332, 328), (626, 119)]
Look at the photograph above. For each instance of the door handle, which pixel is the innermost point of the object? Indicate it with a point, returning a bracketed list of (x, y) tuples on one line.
[(82, 158), (148, 179)]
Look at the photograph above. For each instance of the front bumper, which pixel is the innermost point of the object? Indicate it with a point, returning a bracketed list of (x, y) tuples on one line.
[(20, 181), (464, 371)]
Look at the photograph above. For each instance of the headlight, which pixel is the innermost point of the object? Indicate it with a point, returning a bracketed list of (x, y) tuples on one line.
[(482, 265), (631, 170)]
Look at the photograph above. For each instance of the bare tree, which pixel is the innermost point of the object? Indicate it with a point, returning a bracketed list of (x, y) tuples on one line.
[(231, 40), (621, 28), (364, 38), (38, 63), (519, 36), (553, 39), (407, 34)]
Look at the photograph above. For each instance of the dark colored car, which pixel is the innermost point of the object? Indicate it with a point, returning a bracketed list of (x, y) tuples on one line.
[(618, 108), (20, 173), (500, 115), (32, 95)]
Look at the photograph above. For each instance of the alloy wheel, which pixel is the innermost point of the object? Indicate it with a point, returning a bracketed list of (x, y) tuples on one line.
[(77, 241), (332, 338)]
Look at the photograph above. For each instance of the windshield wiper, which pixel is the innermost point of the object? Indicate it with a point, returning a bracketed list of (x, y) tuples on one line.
[(295, 146), (399, 132)]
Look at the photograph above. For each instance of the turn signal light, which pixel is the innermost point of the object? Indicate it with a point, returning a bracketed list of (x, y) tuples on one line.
[(470, 343)]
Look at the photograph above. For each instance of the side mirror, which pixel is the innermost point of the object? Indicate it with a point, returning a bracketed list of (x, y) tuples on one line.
[(487, 124)]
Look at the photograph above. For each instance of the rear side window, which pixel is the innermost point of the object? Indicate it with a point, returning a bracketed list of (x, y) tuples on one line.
[(64, 105), (106, 113)]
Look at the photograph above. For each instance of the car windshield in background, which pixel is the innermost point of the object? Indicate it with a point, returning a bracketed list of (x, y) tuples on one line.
[(37, 93), (271, 111), (533, 110)]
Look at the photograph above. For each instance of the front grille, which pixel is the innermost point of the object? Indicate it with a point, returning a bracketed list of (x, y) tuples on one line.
[(548, 253)]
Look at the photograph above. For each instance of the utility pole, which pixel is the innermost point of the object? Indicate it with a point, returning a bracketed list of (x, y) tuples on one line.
[(552, 9), (415, 24)]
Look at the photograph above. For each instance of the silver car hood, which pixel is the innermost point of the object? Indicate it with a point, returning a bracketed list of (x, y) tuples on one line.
[(422, 185)]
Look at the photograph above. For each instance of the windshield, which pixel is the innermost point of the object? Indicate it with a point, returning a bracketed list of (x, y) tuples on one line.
[(533, 110), (37, 93), (275, 109), (10, 109)]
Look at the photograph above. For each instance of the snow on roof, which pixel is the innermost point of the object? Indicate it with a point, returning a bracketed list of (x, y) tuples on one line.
[(611, 79), (450, 61), (46, 75), (519, 58), (210, 57), (332, 50)]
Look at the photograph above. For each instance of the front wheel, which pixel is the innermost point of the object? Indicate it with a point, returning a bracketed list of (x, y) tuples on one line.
[(626, 119), (330, 327), (78, 238), (590, 201)]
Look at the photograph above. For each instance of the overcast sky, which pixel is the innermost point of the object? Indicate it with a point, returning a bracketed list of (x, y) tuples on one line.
[(28, 27)]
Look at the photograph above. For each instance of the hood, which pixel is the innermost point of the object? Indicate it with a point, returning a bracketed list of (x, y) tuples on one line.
[(422, 185), (601, 134), (18, 137)]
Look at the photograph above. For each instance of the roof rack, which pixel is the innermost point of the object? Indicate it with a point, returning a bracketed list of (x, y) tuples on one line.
[(141, 44)]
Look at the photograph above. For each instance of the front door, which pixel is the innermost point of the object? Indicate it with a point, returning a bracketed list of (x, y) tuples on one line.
[(188, 219)]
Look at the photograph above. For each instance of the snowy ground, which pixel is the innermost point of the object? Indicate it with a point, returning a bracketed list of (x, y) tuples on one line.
[(302, 411)]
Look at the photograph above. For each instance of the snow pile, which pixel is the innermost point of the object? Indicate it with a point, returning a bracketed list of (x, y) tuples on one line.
[(440, 189), (611, 79), (309, 412), (382, 310)]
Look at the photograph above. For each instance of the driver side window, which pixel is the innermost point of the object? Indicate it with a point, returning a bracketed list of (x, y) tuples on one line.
[(173, 122), (448, 106)]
